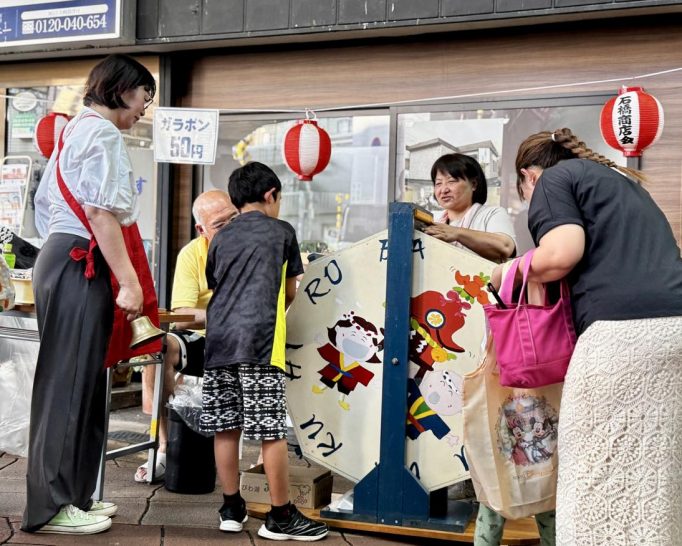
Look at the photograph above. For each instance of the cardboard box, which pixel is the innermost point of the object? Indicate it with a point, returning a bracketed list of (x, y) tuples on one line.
[(308, 487)]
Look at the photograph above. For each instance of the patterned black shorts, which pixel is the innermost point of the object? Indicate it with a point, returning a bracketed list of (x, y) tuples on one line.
[(247, 397)]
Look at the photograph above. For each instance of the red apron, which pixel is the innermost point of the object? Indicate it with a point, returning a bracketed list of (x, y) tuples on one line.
[(121, 334)]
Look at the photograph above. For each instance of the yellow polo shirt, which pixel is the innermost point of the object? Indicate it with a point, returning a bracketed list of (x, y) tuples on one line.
[(190, 288)]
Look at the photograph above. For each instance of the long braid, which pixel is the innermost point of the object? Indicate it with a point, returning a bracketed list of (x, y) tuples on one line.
[(577, 147)]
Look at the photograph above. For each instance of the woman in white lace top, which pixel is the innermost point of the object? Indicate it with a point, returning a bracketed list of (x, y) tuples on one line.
[(620, 428)]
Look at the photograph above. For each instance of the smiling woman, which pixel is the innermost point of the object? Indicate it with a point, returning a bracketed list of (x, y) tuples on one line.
[(460, 188)]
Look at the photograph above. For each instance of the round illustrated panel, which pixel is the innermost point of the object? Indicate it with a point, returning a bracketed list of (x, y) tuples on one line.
[(335, 342)]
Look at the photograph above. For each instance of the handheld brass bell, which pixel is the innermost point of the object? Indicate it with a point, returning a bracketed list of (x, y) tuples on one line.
[(144, 332)]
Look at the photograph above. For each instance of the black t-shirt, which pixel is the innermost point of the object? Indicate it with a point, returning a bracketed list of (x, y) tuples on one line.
[(631, 268), (248, 261)]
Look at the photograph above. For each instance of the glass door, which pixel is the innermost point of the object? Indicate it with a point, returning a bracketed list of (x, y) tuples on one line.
[(345, 203)]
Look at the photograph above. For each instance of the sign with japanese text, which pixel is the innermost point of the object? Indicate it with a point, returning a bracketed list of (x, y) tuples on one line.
[(27, 22), (624, 110), (15, 174), (185, 135)]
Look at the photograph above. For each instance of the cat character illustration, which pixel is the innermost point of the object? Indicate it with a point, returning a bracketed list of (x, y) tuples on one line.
[(352, 342)]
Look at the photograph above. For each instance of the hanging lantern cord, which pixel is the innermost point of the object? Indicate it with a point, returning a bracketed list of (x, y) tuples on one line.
[(310, 114)]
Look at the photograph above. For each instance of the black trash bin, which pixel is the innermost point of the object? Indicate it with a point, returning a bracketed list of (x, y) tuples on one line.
[(190, 462)]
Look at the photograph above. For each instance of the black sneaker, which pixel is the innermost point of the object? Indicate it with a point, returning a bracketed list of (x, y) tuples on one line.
[(232, 518), (296, 527)]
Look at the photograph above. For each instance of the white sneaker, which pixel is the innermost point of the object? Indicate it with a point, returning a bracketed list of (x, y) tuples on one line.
[(74, 521), (101, 508)]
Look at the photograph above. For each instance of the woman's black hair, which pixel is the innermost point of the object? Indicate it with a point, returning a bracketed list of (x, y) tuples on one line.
[(112, 77), (250, 183), (461, 166)]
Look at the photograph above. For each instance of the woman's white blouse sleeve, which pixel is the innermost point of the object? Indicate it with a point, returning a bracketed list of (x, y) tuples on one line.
[(106, 177), (42, 201)]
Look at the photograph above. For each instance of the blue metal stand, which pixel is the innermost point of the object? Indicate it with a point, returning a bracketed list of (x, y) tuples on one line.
[(390, 494)]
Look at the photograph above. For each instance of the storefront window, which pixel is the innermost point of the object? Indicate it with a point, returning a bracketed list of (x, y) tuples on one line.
[(26, 106), (491, 135), (343, 204)]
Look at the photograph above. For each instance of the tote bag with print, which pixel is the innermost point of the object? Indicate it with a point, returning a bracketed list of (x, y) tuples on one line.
[(510, 438)]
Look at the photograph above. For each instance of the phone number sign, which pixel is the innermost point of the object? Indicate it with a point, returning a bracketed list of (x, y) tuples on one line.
[(185, 135), (24, 22)]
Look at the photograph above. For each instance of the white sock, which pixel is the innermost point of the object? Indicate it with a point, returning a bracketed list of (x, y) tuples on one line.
[(160, 458)]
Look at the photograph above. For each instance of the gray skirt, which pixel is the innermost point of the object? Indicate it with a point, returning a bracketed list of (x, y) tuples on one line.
[(620, 436), (75, 317)]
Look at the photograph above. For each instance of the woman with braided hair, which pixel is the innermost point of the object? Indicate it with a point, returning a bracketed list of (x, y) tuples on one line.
[(620, 431)]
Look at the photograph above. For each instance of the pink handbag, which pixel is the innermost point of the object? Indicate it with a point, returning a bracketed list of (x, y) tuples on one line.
[(534, 343)]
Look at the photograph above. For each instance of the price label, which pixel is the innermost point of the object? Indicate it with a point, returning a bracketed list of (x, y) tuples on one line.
[(185, 135)]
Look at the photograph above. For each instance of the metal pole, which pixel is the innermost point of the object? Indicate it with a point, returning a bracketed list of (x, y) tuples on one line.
[(99, 487), (157, 408)]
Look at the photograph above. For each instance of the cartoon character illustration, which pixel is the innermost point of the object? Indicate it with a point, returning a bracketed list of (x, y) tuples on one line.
[(471, 287), (434, 319), (439, 394), (518, 453), (353, 341), (303, 494), (540, 440), (527, 430)]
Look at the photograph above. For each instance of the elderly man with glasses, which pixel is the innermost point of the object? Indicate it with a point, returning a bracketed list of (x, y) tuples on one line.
[(185, 344)]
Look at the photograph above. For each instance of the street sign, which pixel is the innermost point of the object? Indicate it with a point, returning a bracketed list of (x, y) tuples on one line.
[(24, 22)]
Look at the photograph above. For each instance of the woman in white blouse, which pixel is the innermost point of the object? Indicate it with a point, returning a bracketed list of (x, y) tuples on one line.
[(460, 187), (86, 195)]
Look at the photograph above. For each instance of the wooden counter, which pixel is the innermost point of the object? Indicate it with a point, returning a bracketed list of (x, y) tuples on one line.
[(165, 316)]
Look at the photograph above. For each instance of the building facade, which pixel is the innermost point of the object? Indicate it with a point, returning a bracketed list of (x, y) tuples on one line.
[(389, 80)]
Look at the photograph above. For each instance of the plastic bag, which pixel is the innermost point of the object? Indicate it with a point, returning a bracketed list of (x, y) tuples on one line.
[(186, 401), (16, 386), (6, 287)]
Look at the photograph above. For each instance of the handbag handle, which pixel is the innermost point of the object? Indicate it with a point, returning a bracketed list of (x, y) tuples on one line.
[(506, 290)]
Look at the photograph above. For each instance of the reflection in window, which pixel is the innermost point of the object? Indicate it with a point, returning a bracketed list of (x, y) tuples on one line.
[(490, 136), (343, 204)]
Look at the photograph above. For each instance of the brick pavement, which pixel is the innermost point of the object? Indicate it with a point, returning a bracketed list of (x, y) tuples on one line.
[(150, 515)]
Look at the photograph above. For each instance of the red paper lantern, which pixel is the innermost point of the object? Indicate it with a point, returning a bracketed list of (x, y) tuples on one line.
[(47, 132), (632, 121), (307, 149)]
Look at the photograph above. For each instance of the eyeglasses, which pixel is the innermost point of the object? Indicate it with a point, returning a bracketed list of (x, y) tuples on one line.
[(148, 103), (218, 225)]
